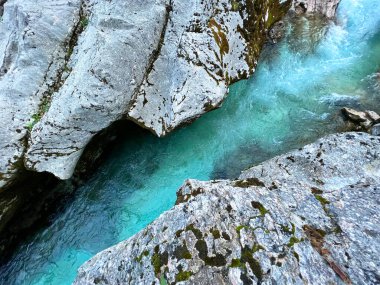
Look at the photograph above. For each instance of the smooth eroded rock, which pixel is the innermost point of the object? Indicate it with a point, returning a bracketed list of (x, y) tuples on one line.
[(324, 7), (306, 217)]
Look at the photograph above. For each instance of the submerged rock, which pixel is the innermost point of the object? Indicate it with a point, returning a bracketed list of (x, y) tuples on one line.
[(307, 217)]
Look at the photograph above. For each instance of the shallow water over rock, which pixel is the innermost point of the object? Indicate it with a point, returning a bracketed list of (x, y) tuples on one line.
[(294, 97)]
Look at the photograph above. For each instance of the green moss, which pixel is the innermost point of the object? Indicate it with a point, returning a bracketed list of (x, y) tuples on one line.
[(83, 22), (293, 240), (248, 183), (163, 280), (259, 207), (178, 233), (296, 255), (236, 263), (218, 260), (158, 260), (215, 233), (144, 253), (286, 229), (198, 234), (239, 228), (257, 247), (156, 263), (183, 276), (235, 6), (322, 200), (246, 257), (182, 252)]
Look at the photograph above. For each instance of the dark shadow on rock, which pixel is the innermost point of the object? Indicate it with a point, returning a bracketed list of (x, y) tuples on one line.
[(35, 199)]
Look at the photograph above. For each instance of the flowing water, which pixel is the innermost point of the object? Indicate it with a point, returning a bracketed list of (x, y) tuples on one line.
[(293, 98)]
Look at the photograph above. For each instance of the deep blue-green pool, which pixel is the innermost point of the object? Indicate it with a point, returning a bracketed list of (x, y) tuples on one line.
[(293, 98)]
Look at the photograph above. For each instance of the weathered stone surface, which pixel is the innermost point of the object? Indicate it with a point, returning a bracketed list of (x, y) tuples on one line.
[(323, 7), (33, 45), (361, 121), (160, 63), (354, 115), (108, 64), (208, 45), (307, 217), (373, 116), (376, 130)]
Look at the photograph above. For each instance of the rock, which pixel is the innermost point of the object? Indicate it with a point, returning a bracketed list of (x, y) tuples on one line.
[(355, 116), (159, 63), (307, 217), (33, 47), (277, 31), (373, 116), (366, 125), (110, 60), (324, 7), (375, 131)]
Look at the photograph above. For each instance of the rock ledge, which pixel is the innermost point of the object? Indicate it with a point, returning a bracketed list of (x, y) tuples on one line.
[(306, 217)]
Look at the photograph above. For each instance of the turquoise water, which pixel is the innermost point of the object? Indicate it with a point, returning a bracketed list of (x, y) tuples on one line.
[(293, 98)]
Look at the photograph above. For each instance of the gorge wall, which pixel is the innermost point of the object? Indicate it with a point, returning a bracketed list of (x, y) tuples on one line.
[(70, 69), (306, 217)]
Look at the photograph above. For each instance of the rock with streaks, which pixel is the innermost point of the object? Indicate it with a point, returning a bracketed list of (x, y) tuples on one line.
[(71, 68), (324, 7), (158, 63), (110, 59), (33, 47), (306, 217)]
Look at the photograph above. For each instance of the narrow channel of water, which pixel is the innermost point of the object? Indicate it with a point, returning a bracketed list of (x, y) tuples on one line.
[(293, 98)]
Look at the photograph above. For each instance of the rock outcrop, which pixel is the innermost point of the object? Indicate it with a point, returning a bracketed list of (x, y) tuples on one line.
[(33, 48), (307, 217), (71, 68), (324, 7), (366, 121)]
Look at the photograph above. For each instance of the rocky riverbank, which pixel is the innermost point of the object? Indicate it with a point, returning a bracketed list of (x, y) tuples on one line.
[(158, 63), (309, 216), (89, 74)]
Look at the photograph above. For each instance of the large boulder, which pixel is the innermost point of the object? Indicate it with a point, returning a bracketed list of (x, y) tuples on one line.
[(69, 69), (306, 217), (33, 48)]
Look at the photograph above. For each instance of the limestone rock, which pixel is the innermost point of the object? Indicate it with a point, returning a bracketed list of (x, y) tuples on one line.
[(373, 116), (307, 217), (376, 130), (112, 57), (160, 63), (33, 47), (323, 7), (354, 115)]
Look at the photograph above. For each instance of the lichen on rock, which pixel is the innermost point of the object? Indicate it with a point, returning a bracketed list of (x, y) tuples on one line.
[(317, 226)]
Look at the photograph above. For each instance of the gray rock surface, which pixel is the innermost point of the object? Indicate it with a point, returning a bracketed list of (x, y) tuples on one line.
[(323, 7), (160, 63), (33, 45), (307, 217), (376, 130)]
